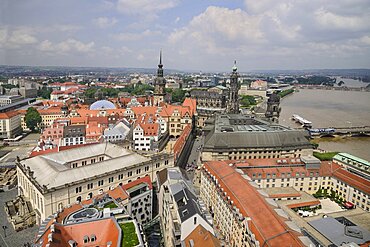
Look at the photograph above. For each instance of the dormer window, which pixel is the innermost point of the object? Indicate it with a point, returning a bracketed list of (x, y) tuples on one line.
[(86, 239), (93, 238)]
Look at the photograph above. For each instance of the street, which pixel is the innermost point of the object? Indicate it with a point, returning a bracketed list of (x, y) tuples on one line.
[(194, 162)]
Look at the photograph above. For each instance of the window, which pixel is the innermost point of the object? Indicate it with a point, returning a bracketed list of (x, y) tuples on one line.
[(147, 168), (120, 176), (100, 183), (166, 162), (92, 161), (84, 163), (78, 189), (157, 165), (90, 186), (138, 171), (129, 174), (74, 165), (110, 180)]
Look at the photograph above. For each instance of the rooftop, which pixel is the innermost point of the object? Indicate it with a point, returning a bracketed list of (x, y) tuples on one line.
[(265, 222), (51, 170), (340, 157), (341, 230), (201, 237), (239, 131)]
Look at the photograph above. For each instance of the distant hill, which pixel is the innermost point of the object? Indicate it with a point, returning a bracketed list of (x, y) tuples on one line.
[(322, 72), (7, 71)]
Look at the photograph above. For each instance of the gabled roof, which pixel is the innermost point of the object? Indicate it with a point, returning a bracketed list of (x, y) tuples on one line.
[(150, 129), (201, 237)]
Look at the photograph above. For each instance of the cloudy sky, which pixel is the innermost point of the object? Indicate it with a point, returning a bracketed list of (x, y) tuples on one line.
[(194, 34)]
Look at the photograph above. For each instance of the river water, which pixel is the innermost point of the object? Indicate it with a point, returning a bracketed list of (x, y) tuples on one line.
[(325, 108)]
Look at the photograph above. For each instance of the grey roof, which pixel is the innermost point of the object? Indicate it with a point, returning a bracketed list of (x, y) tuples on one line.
[(50, 170), (102, 104), (338, 233), (239, 131), (187, 204)]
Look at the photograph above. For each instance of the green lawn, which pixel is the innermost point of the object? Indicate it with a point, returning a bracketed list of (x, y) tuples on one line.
[(110, 205), (325, 156), (129, 238)]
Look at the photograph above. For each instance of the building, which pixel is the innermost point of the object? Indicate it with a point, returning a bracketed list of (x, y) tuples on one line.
[(180, 211), (99, 221), (353, 164), (10, 99), (118, 132), (159, 84), (56, 180), (140, 193), (73, 135), (273, 108), (232, 136), (48, 115), (307, 174), (209, 102), (201, 237), (10, 125), (179, 116), (259, 85), (233, 101), (146, 136), (242, 215)]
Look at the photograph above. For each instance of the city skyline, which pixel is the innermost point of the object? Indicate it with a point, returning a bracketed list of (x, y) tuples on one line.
[(194, 35)]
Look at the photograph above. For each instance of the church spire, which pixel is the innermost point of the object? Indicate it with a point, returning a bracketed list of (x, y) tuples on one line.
[(160, 65)]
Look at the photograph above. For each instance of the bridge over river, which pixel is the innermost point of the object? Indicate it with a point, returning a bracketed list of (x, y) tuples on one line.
[(340, 131)]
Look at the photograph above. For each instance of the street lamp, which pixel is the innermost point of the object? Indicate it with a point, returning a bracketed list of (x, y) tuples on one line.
[(4, 228)]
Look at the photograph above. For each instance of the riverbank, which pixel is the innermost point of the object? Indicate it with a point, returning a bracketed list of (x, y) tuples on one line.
[(326, 108)]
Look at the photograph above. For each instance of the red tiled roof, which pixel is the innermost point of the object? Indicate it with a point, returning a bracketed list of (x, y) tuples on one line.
[(265, 223), (105, 230), (180, 142), (202, 238), (145, 179), (304, 204), (285, 195), (9, 114), (353, 180), (150, 129)]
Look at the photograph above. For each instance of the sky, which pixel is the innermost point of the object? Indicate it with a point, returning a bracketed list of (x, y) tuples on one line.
[(196, 35)]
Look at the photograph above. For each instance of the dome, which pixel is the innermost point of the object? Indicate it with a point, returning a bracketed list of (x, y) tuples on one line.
[(102, 104)]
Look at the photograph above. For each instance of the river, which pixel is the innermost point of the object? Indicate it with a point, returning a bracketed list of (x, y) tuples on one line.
[(325, 108)]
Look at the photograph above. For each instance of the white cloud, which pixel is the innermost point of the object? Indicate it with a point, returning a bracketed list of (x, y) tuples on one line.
[(177, 19), (329, 20), (217, 26), (65, 28), (69, 45), (145, 8), (136, 36), (17, 37), (105, 22)]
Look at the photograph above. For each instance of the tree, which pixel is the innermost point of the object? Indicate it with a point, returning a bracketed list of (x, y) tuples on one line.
[(178, 95), (32, 118), (44, 93)]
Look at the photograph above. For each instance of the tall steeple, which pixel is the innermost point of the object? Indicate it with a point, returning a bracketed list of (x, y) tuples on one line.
[(160, 66), (233, 103), (159, 83)]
